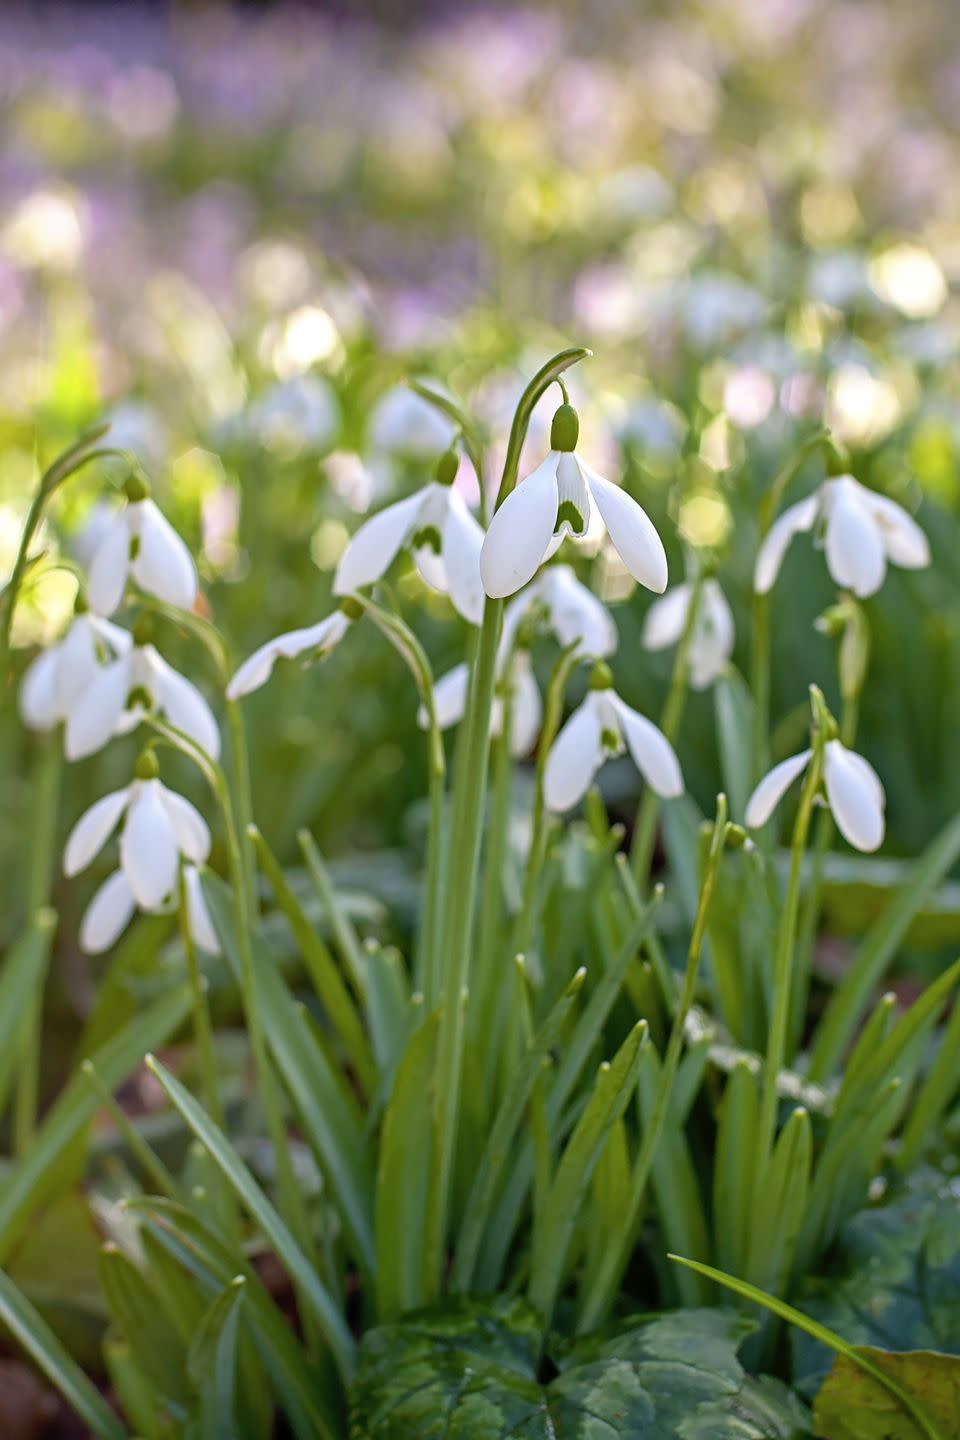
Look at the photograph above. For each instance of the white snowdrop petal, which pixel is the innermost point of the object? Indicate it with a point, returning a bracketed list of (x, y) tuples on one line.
[(93, 830), (113, 637), (462, 543), (449, 698), (772, 788), (376, 544), (520, 532), (78, 663), (854, 546), (38, 691), (652, 752), (666, 618), (163, 565), (107, 915), (572, 492), (574, 759), (148, 846), (95, 718), (713, 637), (632, 532), (198, 915), (107, 578), (526, 708), (257, 668), (183, 705), (189, 826), (254, 672), (904, 541), (431, 569), (794, 520), (577, 615), (855, 795)]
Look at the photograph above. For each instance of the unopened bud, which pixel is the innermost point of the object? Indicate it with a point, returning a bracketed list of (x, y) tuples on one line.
[(445, 470), (136, 487), (351, 608), (147, 766), (601, 676), (565, 430)]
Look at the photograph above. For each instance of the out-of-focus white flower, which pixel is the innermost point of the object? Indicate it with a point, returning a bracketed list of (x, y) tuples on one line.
[(403, 421), (59, 678), (139, 540), (159, 827), (525, 708), (120, 694), (316, 640), (862, 531), (712, 642), (198, 916), (554, 501), (601, 727), (297, 414), (574, 615), (853, 787), (441, 534)]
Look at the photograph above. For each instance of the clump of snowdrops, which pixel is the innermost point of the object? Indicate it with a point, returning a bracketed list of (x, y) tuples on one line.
[(540, 1103)]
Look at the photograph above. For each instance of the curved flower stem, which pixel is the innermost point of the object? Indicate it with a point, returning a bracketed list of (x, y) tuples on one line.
[(539, 828), (466, 827), (606, 1280), (240, 774), (786, 936), (645, 828)]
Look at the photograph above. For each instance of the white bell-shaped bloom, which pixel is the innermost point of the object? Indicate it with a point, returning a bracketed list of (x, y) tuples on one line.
[(141, 542), (314, 640), (159, 827), (854, 794), (526, 705), (120, 694), (601, 727), (198, 915), (556, 500), (442, 535), (862, 532), (711, 644), (565, 607), (59, 677)]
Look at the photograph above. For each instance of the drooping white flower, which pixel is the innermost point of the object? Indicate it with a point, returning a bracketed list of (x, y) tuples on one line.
[(198, 915), (141, 542), (555, 501), (58, 678), (711, 644), (862, 532), (404, 421), (604, 726), (525, 709), (315, 640), (571, 612), (853, 787), (159, 827), (442, 535), (120, 694)]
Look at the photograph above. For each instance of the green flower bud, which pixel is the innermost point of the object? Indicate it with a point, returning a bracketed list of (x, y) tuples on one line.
[(351, 608), (81, 605), (601, 676), (147, 766), (445, 470), (565, 430), (143, 631), (136, 487)]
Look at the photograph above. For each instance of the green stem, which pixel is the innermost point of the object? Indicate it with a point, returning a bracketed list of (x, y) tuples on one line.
[(149, 1162), (617, 1250), (487, 1011), (240, 773), (645, 829), (783, 962), (202, 1029)]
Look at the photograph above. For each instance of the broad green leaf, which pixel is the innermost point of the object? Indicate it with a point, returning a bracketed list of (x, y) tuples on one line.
[(469, 1371), (157, 1349), (324, 1308), (298, 1384), (21, 980), (30, 1331), (853, 1405), (41, 1170), (212, 1366), (405, 1145)]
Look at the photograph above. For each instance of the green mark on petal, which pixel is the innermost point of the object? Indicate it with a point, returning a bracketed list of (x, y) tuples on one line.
[(427, 538), (568, 512)]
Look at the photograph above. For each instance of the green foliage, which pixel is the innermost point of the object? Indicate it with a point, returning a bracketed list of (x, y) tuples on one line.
[(474, 1369), (853, 1405)]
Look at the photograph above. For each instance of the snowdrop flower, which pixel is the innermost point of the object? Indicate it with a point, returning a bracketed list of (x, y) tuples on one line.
[(403, 421), (442, 535), (603, 726), (59, 677), (314, 640), (198, 916), (854, 793), (568, 609), (120, 694), (712, 642), (862, 531), (556, 500), (140, 541), (526, 706), (159, 827)]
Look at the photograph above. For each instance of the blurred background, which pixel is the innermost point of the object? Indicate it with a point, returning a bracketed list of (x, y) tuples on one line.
[(234, 230)]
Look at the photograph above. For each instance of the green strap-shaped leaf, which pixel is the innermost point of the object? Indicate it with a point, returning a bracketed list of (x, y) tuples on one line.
[(212, 1366), (155, 1346), (20, 982), (780, 1205), (31, 1331), (325, 1310), (732, 1181), (611, 1092)]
